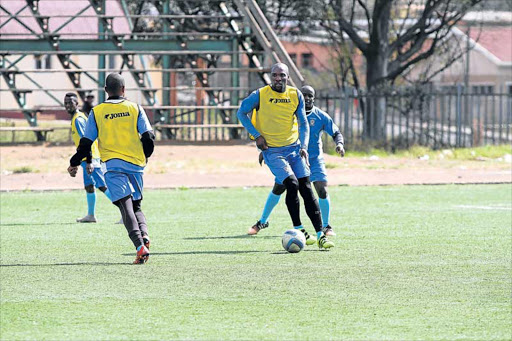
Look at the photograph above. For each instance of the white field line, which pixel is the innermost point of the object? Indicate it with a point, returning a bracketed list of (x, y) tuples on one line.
[(491, 207)]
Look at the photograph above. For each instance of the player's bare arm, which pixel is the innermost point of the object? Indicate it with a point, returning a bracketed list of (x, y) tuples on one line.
[(261, 143), (304, 153), (72, 170)]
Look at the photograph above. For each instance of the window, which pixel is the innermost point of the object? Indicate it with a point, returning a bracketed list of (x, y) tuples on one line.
[(293, 57), (43, 62), (307, 60), (448, 89), (48, 62), (482, 89), (509, 89), (38, 62)]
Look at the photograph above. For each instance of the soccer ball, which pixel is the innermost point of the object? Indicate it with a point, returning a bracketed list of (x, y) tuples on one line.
[(293, 241)]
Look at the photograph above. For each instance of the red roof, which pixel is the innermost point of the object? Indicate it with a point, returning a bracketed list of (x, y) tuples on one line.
[(496, 40), (59, 12)]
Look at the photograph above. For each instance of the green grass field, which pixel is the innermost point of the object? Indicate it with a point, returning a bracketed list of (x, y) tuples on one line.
[(410, 263)]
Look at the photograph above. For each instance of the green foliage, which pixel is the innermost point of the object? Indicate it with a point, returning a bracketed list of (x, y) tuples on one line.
[(411, 262), (23, 169), (463, 154)]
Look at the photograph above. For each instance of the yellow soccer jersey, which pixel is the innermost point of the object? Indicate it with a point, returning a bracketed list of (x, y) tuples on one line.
[(276, 119), (117, 132), (76, 136)]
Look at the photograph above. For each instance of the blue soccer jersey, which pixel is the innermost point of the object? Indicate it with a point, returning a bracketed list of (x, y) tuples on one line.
[(319, 121)]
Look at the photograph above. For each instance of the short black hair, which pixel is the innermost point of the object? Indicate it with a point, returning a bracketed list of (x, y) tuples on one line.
[(308, 88), (282, 66), (72, 95), (114, 82)]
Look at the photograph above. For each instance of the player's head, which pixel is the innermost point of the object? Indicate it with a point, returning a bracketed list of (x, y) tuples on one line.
[(309, 96), (114, 85), (279, 77), (71, 102), (89, 98)]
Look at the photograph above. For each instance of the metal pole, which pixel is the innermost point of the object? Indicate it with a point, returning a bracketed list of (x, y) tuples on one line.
[(166, 75), (235, 76), (235, 83), (466, 80), (101, 57), (500, 123), (458, 114)]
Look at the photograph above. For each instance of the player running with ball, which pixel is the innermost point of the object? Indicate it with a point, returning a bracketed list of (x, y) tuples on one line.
[(284, 145), (319, 121)]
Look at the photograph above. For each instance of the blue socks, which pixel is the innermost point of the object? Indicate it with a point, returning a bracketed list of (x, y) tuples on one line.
[(271, 202), (107, 193), (91, 203), (325, 207)]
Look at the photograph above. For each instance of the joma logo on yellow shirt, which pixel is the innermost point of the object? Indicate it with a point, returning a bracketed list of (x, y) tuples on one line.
[(117, 115), (279, 100)]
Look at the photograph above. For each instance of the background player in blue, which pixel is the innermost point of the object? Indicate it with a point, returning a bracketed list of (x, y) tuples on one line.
[(93, 177), (319, 121), (126, 140), (281, 131)]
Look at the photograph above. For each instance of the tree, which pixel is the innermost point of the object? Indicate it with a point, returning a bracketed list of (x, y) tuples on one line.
[(393, 36)]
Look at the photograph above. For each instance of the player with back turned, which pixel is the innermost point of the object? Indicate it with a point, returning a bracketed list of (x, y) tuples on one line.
[(280, 128), (125, 140)]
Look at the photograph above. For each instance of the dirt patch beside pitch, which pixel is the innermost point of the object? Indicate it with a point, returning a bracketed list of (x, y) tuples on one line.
[(172, 166)]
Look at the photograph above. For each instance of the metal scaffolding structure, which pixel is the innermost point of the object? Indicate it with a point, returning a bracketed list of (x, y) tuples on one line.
[(206, 49)]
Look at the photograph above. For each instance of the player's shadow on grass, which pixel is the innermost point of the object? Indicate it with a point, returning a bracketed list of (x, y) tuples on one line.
[(31, 224), (287, 253), (242, 236), (197, 253), (64, 264)]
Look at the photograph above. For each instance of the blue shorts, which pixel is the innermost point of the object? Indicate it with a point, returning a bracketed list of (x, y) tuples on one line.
[(317, 166), (285, 161), (122, 185), (97, 178)]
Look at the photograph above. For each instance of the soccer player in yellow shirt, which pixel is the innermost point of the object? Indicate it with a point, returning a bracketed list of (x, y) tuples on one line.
[(281, 130), (95, 177), (125, 141), (319, 122)]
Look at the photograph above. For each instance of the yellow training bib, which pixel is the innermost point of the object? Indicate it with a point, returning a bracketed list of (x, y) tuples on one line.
[(276, 119), (76, 136), (118, 137)]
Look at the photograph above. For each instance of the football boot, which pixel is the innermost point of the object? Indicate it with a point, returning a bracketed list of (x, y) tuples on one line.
[(254, 229), (324, 243), (310, 240), (142, 255)]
